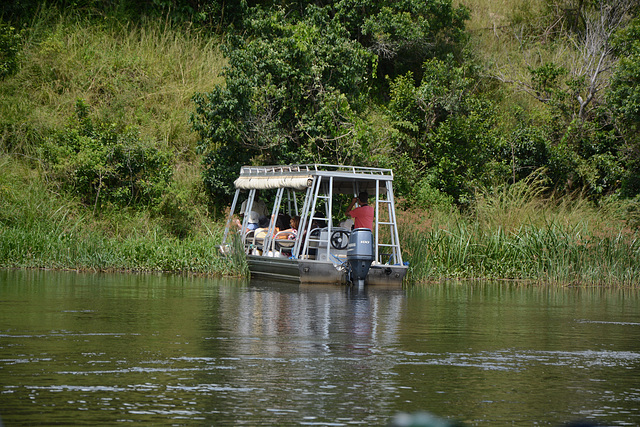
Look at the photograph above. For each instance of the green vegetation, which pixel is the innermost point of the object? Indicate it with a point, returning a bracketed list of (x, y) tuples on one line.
[(511, 125), (517, 233), (98, 169), (101, 163), (41, 229), (9, 48)]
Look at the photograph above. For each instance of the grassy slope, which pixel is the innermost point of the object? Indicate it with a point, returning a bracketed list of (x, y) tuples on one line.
[(145, 75), (138, 75), (135, 75), (42, 229)]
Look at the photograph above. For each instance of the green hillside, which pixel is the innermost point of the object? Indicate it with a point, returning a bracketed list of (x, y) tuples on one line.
[(122, 126)]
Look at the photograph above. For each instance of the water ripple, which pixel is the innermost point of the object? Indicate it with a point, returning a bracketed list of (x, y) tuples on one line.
[(509, 360)]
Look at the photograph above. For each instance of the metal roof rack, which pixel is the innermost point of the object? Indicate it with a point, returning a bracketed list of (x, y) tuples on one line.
[(317, 169)]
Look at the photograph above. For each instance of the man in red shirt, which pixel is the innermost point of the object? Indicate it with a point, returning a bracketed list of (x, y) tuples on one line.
[(363, 215)]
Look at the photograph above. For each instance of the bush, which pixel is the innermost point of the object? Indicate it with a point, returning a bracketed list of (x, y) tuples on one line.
[(428, 197), (103, 163), (176, 211), (9, 50)]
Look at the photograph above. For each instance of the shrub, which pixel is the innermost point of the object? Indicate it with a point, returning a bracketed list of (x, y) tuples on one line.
[(428, 197), (9, 50), (101, 162)]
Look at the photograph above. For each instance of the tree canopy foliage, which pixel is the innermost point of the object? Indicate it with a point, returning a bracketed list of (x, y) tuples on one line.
[(291, 88), (299, 86), (400, 84), (309, 83)]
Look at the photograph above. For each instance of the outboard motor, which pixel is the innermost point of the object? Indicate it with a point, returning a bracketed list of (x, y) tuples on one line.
[(360, 254)]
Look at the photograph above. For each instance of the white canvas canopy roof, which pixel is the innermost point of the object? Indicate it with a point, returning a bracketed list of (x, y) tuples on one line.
[(301, 177), (272, 182)]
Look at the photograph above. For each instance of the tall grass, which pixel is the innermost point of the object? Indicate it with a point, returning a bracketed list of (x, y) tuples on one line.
[(39, 229), (518, 234), (130, 74)]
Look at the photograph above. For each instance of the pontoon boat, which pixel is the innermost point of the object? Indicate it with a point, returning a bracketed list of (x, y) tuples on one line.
[(324, 250)]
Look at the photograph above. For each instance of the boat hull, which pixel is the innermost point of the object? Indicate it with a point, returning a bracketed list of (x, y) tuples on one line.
[(319, 272), (280, 269)]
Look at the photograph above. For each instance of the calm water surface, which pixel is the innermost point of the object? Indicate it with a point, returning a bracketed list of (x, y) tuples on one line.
[(100, 349)]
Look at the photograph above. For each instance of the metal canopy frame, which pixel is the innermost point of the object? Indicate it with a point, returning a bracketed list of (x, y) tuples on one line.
[(322, 182)]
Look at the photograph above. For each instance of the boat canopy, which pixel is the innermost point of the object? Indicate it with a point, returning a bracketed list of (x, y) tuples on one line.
[(273, 182), (300, 177)]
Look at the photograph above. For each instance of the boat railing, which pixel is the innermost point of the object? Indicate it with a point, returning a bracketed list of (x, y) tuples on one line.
[(313, 169)]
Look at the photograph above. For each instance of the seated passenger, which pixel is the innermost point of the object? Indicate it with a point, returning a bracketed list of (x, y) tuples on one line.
[(292, 232), (284, 240), (283, 222), (261, 232), (319, 221), (258, 212)]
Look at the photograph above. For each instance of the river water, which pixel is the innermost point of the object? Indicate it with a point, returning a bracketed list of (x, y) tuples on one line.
[(100, 349)]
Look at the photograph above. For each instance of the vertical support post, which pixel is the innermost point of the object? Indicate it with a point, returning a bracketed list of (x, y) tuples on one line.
[(394, 232), (268, 239), (308, 201), (328, 216), (230, 217), (377, 227), (247, 209)]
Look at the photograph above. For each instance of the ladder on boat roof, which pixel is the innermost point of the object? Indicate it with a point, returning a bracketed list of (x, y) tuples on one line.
[(395, 255)]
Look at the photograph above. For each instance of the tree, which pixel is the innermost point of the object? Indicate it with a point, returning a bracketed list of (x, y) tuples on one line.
[(589, 26), (299, 80), (448, 128), (596, 58), (290, 89), (583, 146), (624, 99), (403, 34)]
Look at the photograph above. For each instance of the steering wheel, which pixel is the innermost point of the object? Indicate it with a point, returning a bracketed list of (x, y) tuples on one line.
[(340, 239)]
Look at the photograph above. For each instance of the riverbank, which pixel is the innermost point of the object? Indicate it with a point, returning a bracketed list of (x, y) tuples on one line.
[(100, 168), (553, 254), (41, 229), (507, 235), (519, 233)]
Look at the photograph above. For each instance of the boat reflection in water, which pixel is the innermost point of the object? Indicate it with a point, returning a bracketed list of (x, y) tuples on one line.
[(310, 319)]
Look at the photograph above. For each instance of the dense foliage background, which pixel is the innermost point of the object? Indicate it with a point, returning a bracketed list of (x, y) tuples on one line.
[(405, 85), (145, 110)]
